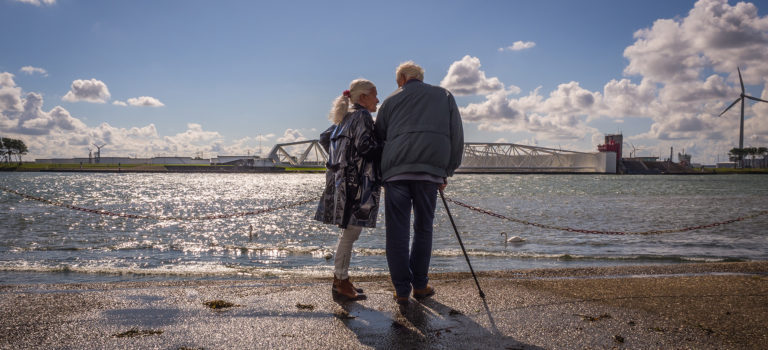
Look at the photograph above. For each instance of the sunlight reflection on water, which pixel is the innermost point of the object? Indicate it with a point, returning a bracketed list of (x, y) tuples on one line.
[(40, 237)]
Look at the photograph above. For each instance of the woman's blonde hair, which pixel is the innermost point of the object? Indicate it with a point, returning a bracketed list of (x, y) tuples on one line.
[(341, 104)]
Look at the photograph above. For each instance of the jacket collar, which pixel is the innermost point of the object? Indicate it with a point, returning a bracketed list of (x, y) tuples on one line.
[(412, 81), (357, 106)]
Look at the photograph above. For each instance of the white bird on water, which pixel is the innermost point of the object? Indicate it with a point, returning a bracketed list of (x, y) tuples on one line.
[(513, 239)]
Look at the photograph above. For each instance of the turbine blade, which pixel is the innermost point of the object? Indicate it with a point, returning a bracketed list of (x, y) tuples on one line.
[(755, 98), (741, 81), (729, 107)]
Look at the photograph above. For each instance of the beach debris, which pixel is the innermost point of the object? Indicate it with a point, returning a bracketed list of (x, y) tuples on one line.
[(343, 315), (454, 312), (705, 329), (513, 239), (218, 304), (593, 318), (135, 332), (617, 338), (328, 255), (309, 307)]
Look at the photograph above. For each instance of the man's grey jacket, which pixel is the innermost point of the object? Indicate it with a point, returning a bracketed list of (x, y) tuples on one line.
[(421, 128)]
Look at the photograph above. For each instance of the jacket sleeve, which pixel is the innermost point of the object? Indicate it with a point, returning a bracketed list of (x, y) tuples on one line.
[(457, 136), (366, 141), (325, 138), (381, 124)]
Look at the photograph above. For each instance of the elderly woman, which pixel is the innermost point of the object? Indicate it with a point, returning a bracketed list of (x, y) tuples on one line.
[(352, 187)]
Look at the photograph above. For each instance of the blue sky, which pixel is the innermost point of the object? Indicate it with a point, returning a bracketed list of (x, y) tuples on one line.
[(221, 78)]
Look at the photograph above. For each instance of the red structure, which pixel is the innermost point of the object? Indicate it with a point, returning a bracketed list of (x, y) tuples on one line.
[(612, 144)]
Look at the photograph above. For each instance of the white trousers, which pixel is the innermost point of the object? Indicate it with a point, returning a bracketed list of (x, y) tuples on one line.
[(344, 251)]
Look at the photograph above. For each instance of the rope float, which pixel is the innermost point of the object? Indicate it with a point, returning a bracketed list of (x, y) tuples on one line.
[(569, 229), (305, 201)]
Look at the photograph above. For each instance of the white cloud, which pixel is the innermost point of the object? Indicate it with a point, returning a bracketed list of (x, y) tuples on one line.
[(25, 116), (622, 98), (662, 54), (291, 135), (38, 2), (194, 134), (557, 116), (119, 103), (10, 94), (32, 70), (56, 133), (686, 69), (264, 138), (570, 99), (465, 78), (92, 90), (495, 108), (6, 79), (145, 101), (518, 46), (675, 54), (713, 35)]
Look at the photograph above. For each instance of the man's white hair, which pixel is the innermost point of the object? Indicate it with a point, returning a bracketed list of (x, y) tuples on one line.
[(410, 70), (341, 104)]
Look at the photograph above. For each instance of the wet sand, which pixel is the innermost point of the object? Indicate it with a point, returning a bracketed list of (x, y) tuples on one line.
[(688, 306)]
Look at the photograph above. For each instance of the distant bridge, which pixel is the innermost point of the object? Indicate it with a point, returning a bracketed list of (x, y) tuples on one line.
[(299, 154), (478, 158)]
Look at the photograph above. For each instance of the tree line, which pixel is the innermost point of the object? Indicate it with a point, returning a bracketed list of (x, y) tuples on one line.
[(12, 147), (737, 154)]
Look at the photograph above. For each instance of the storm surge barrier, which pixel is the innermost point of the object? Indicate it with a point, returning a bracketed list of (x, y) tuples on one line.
[(514, 158), (477, 158), (315, 199)]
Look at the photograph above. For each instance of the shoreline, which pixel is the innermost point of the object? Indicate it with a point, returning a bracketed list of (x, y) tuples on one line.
[(67, 275), (230, 169), (697, 305), (644, 270)]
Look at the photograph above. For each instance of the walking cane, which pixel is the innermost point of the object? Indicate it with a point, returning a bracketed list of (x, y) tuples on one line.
[(455, 230)]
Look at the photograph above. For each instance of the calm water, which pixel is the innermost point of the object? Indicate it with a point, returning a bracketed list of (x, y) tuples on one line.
[(44, 243)]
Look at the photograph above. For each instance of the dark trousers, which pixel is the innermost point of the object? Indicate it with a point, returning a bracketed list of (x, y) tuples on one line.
[(408, 267)]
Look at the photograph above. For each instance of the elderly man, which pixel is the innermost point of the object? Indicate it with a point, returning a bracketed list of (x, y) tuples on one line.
[(424, 140)]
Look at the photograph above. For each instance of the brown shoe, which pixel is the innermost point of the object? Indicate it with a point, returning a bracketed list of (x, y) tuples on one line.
[(358, 290), (425, 292), (401, 300), (343, 289)]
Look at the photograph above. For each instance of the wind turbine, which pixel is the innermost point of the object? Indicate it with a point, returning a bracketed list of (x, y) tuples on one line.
[(741, 98), (98, 152)]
